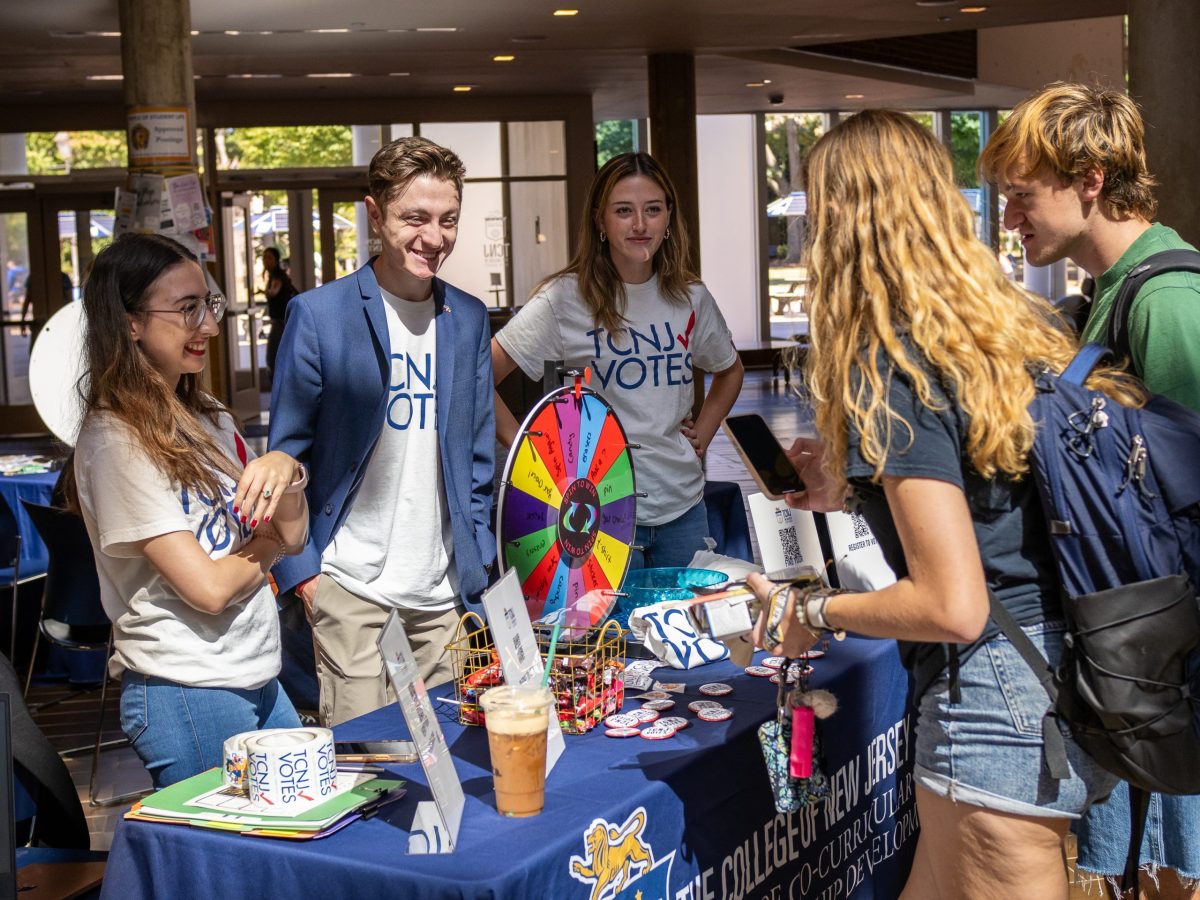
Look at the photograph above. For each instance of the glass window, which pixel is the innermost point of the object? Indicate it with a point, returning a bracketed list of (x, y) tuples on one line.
[(789, 138), (402, 130), (536, 148), (62, 152), (476, 143), (284, 147), (478, 264), (14, 338), (614, 137)]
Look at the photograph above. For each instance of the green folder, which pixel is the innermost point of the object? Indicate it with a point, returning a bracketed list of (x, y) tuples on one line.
[(172, 803)]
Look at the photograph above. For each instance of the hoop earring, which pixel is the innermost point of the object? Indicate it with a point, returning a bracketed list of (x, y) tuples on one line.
[(603, 237)]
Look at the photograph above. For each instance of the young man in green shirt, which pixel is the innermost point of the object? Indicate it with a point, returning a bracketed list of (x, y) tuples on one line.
[(1071, 164)]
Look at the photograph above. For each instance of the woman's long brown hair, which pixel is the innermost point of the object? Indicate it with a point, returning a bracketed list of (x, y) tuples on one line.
[(118, 379)]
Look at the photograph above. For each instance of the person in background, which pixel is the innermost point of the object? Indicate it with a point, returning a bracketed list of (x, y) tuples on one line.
[(184, 521), (921, 369), (279, 291), (384, 387), (629, 307), (1071, 163)]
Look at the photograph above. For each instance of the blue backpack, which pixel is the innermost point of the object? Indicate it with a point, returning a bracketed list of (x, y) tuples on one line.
[(1120, 488)]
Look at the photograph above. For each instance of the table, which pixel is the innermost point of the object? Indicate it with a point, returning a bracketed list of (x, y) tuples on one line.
[(687, 818), (36, 488)]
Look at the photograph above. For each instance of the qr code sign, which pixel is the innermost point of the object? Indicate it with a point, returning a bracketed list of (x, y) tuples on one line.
[(791, 547)]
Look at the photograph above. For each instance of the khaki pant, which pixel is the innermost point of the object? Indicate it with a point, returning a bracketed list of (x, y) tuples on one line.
[(350, 668)]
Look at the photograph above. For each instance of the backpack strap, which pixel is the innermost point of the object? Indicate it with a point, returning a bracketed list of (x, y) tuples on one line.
[(1139, 808), (1080, 367), (1118, 320), (1054, 747)]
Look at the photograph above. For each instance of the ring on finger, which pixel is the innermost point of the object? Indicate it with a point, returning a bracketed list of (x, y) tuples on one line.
[(266, 493)]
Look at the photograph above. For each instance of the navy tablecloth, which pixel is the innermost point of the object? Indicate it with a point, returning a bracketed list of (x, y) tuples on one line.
[(36, 489), (688, 817)]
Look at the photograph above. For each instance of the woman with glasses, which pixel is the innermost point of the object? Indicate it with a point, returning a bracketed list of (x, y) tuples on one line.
[(185, 522), (921, 367)]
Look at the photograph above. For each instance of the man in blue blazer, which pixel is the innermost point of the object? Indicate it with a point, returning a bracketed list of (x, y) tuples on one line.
[(383, 387)]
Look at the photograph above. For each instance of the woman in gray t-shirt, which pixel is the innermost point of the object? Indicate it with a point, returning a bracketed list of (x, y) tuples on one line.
[(630, 309)]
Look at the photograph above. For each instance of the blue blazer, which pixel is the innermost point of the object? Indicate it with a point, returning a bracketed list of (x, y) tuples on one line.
[(328, 403)]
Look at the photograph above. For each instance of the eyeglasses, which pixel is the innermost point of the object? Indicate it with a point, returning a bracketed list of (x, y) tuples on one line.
[(195, 307)]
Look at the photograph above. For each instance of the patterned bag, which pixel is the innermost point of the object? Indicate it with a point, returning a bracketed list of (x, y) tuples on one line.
[(776, 739)]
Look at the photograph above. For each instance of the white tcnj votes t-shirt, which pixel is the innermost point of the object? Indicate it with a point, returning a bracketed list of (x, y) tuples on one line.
[(395, 546), (126, 499), (644, 371)]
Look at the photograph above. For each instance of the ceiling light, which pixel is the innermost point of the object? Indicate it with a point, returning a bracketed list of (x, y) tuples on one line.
[(462, 88), (195, 33), (330, 75), (253, 75), (232, 33), (566, 12), (440, 28), (397, 74), (503, 57), (105, 77), (972, 9), (755, 84), (854, 96), (327, 31)]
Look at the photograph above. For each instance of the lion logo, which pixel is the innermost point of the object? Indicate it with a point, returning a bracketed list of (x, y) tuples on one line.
[(614, 855)]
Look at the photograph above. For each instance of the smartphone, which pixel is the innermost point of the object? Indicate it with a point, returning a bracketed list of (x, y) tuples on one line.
[(768, 465), (375, 751)]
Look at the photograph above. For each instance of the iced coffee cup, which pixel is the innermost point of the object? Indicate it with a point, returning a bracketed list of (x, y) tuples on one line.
[(516, 719)]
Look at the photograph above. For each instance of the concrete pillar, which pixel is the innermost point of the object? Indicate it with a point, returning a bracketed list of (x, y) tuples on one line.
[(672, 83), (156, 56), (1165, 79)]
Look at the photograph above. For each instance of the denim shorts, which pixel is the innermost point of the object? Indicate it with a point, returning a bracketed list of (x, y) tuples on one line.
[(1172, 824), (986, 750)]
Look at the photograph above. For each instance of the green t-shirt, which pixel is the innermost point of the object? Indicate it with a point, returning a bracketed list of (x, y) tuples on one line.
[(1164, 320)]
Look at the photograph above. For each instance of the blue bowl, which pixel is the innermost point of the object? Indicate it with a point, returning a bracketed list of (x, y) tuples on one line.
[(649, 586)]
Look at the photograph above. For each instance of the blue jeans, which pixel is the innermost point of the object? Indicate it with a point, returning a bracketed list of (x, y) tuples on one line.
[(673, 543), (180, 731)]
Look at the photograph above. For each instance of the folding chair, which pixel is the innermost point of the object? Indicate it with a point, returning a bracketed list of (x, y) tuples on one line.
[(73, 617)]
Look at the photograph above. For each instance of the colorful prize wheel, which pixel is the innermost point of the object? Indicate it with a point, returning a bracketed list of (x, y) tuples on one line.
[(567, 508)]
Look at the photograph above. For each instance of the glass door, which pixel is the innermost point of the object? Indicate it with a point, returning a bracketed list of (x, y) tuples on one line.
[(244, 320)]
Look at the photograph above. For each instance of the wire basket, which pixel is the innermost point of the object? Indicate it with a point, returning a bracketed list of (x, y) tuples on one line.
[(587, 678)]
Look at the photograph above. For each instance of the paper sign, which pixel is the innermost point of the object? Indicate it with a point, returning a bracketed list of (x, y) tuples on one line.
[(520, 660), (435, 824), (124, 207), (185, 198), (158, 135), (148, 205), (859, 559), (786, 536)]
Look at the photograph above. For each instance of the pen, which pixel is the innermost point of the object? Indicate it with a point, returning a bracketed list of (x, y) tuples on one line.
[(448, 700)]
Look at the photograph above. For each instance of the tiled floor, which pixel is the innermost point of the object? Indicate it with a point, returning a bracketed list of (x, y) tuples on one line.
[(72, 723)]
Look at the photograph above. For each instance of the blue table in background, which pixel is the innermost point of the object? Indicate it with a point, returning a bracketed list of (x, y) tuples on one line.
[(36, 489), (686, 818)]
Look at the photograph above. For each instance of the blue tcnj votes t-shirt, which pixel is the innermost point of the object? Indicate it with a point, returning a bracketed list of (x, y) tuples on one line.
[(645, 371)]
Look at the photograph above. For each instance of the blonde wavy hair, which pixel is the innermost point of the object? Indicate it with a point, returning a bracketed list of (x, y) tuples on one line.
[(893, 261), (1069, 128)]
